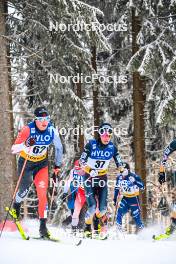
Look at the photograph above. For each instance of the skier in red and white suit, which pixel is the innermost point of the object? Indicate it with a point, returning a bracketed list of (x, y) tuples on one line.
[(77, 181), (32, 145)]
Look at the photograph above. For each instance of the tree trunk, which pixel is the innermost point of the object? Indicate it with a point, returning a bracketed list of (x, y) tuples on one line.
[(6, 131), (81, 136), (139, 99), (96, 108), (80, 118), (15, 176)]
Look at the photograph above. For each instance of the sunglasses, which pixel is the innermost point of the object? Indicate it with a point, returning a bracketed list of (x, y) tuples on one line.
[(43, 118), (104, 130)]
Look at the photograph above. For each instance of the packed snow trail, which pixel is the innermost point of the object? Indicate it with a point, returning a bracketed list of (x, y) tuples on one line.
[(132, 250)]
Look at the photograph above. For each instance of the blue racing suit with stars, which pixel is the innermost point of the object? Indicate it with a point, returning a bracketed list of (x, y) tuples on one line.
[(128, 187)]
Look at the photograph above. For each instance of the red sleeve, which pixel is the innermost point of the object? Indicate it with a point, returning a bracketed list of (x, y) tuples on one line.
[(22, 135)]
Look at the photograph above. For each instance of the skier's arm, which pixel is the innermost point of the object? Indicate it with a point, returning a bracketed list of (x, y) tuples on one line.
[(85, 155), (19, 143), (139, 182), (58, 149), (117, 158), (168, 150)]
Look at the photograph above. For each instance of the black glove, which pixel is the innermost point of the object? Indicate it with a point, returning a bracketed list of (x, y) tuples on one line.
[(64, 196), (162, 177), (114, 201), (56, 172), (30, 142)]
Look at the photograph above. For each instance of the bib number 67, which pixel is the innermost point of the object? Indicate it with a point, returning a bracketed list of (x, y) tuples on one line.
[(38, 149)]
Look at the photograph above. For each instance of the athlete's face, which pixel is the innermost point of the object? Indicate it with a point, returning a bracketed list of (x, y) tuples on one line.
[(42, 123), (105, 138)]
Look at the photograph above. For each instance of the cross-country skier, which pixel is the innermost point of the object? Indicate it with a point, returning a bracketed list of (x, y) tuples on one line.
[(127, 189), (75, 187), (32, 144), (95, 161), (172, 228), (162, 178)]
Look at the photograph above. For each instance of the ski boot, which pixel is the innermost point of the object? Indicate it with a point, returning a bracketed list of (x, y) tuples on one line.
[(139, 228), (16, 210), (88, 231), (74, 230), (119, 228), (162, 236), (169, 231), (14, 213), (102, 227), (172, 227), (167, 234), (44, 233), (77, 234), (96, 226), (120, 234)]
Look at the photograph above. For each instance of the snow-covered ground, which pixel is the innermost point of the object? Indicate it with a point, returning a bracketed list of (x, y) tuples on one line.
[(131, 249)]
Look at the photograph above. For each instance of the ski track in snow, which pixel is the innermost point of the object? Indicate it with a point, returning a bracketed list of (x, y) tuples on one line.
[(131, 250)]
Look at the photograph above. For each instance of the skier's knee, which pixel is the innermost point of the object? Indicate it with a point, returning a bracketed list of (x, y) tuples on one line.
[(135, 213), (92, 210), (89, 214), (20, 196)]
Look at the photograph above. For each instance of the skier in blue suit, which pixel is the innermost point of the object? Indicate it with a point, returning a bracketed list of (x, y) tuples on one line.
[(95, 161), (127, 186)]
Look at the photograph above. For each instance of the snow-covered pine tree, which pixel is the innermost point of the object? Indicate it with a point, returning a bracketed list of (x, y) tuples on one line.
[(48, 50)]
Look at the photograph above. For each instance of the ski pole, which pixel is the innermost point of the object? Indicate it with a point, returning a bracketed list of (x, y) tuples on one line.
[(115, 214), (119, 198), (14, 194), (52, 198), (54, 188)]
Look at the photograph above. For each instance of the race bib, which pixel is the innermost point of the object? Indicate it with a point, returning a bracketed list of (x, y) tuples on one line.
[(98, 164)]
